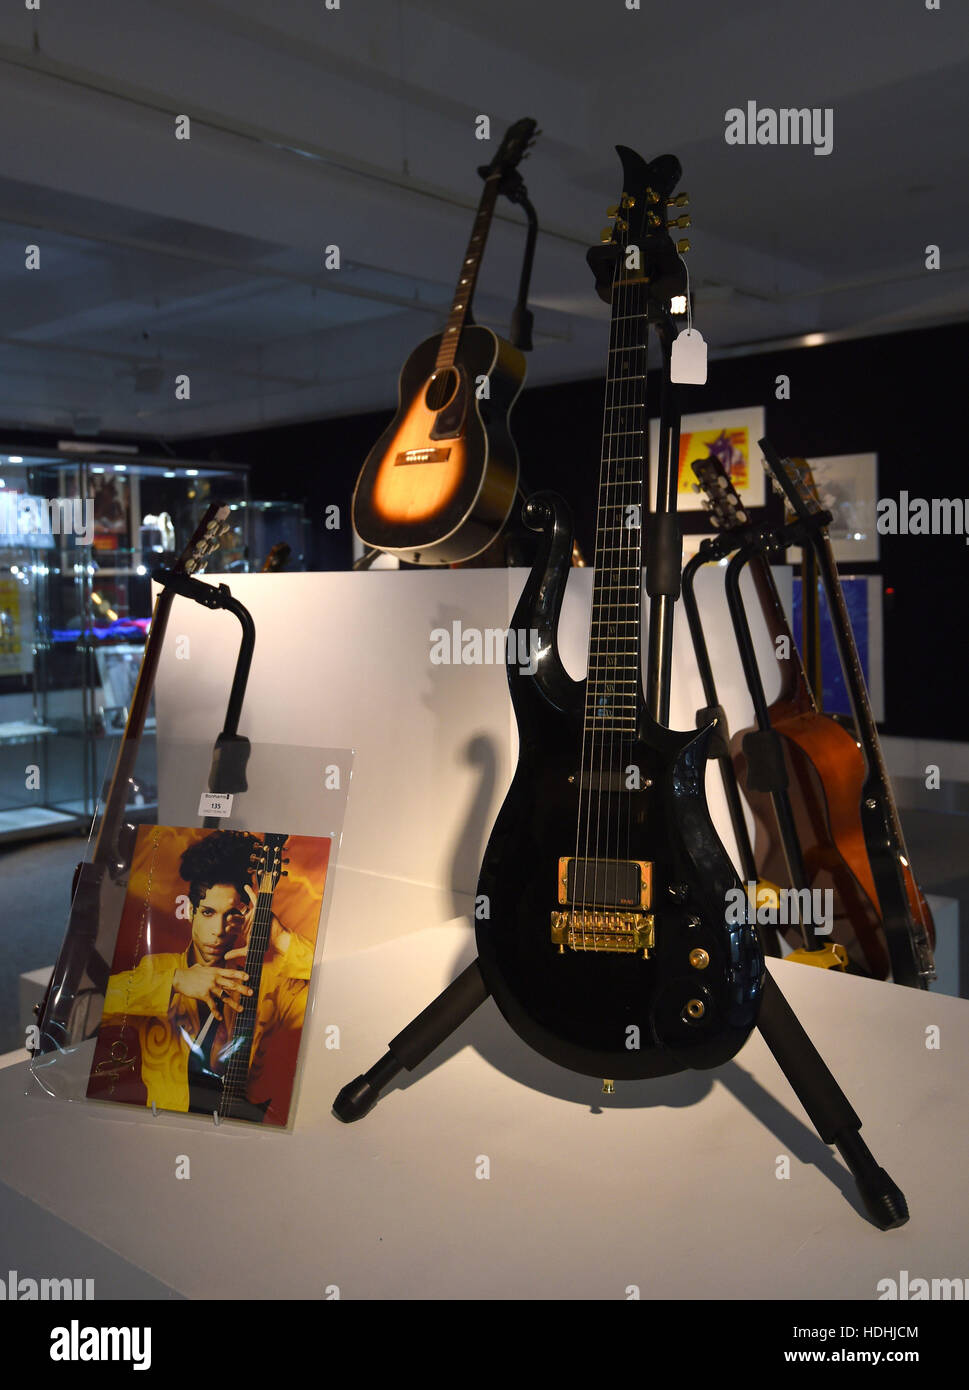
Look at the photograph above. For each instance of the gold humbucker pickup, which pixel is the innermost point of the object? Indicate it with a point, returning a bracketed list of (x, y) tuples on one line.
[(588, 930), (605, 883), (423, 456)]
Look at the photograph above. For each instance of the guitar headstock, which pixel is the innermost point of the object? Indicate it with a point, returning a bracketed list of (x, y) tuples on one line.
[(518, 140), (205, 541), (267, 862), (721, 499), (793, 480), (640, 222)]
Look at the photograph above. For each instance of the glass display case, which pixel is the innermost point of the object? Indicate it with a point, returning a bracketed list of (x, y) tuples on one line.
[(79, 537)]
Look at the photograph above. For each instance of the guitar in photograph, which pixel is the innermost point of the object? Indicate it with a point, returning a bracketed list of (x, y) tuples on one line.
[(606, 944), (438, 485), (218, 1068)]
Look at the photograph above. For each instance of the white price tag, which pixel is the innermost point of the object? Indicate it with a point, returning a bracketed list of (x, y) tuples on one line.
[(216, 804), (688, 361)]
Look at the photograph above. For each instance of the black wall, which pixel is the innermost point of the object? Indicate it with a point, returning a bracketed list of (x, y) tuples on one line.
[(902, 396)]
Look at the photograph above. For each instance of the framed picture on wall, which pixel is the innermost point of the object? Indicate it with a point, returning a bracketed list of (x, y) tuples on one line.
[(848, 488), (730, 435)]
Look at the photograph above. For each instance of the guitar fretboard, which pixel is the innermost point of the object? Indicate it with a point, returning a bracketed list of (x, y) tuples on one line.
[(468, 276), (613, 684), (236, 1073)]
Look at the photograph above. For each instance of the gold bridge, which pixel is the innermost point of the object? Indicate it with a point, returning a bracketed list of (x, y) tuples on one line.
[(589, 929)]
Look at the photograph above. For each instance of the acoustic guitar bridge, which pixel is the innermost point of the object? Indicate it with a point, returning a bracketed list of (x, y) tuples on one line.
[(422, 456)]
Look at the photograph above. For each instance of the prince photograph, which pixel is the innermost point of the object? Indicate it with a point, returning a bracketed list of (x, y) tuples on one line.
[(209, 985)]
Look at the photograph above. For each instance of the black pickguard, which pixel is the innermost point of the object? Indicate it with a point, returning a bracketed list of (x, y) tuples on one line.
[(584, 1009)]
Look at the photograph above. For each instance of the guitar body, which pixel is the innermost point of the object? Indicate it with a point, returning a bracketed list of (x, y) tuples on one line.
[(438, 485), (578, 1006), (826, 775)]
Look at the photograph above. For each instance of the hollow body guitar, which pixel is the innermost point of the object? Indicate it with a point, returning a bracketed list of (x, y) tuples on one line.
[(825, 770), (606, 944), (908, 930), (439, 483)]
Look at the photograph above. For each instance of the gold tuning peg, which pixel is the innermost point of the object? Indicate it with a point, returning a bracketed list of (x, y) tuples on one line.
[(680, 201), (627, 201), (605, 234), (683, 246), (683, 221), (613, 211)]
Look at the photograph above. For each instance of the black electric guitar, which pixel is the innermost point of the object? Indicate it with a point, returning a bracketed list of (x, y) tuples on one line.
[(439, 483), (219, 1074), (906, 917), (606, 943)]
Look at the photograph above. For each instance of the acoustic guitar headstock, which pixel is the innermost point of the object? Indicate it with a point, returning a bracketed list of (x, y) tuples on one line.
[(793, 479), (267, 862), (519, 138), (721, 499), (206, 540)]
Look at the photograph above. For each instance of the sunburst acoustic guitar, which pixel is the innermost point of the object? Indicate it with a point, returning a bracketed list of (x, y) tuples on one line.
[(439, 483)]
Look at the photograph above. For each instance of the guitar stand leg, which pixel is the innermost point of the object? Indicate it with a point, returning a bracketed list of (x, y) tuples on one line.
[(827, 1106), (443, 1016)]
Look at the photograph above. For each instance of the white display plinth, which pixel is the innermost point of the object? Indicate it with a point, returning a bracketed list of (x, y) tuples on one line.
[(669, 1185)]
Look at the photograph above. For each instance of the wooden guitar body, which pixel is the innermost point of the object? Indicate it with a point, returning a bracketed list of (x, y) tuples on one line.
[(608, 1012), (826, 775), (438, 485)]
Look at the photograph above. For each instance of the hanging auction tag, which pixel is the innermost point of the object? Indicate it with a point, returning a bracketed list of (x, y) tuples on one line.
[(216, 804), (688, 361)]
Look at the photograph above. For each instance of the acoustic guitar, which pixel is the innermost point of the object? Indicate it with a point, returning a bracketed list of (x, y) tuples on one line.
[(439, 483), (905, 916), (605, 943)]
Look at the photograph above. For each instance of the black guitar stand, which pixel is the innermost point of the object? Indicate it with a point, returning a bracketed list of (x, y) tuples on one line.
[(230, 755), (812, 1082), (719, 746)]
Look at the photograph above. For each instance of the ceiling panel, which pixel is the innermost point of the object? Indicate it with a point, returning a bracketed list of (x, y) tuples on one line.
[(355, 127)]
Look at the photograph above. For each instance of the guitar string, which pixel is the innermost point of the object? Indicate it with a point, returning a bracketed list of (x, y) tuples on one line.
[(620, 537), (237, 1066), (586, 767), (638, 499), (602, 702)]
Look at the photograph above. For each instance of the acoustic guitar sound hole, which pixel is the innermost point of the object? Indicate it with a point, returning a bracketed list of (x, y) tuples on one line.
[(441, 389)]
